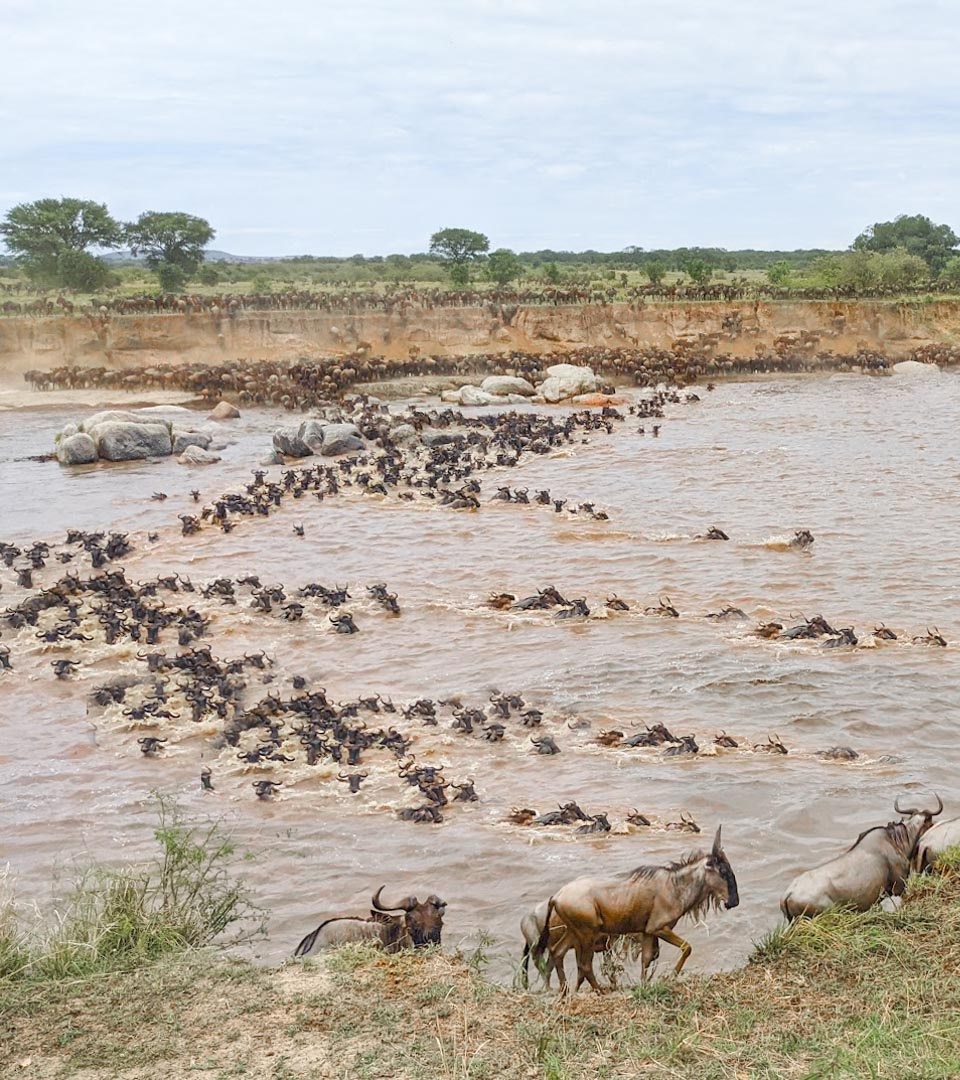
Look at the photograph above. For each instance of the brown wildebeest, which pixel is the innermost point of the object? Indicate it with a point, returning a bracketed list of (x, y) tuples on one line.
[(650, 901), (420, 924)]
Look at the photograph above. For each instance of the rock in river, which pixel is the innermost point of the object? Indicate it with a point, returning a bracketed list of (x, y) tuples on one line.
[(77, 449)]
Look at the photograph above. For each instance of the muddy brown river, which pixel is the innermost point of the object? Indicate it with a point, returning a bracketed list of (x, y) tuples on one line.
[(869, 465)]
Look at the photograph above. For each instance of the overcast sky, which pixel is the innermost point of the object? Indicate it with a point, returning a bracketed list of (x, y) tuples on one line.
[(306, 126)]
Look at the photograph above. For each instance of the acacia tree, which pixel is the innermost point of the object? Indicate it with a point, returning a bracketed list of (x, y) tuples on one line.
[(917, 234), (655, 271), (172, 242), (459, 248), (698, 270), (50, 238), (503, 266)]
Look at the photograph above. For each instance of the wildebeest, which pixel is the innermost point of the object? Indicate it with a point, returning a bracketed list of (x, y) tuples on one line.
[(943, 835), (650, 901), (875, 865), (420, 924)]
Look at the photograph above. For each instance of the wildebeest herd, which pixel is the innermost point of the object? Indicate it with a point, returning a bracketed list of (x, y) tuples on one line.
[(168, 618), (644, 905)]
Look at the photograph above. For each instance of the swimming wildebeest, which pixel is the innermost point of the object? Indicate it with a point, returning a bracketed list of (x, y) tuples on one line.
[(420, 924), (875, 865), (649, 901)]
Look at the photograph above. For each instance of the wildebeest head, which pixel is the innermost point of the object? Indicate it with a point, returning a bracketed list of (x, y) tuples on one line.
[(422, 921), (918, 820), (721, 880)]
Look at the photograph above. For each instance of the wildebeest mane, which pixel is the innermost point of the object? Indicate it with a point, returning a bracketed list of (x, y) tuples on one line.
[(896, 830), (642, 872)]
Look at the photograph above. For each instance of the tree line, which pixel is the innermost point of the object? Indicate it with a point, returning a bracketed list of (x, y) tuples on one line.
[(51, 239), (54, 242)]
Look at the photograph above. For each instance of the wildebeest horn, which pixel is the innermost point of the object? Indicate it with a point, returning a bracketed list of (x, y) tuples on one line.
[(933, 813), (408, 904), (900, 810), (717, 849)]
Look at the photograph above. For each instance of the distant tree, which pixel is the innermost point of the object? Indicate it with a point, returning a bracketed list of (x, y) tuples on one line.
[(655, 271), (208, 275), (551, 273), (917, 234), (81, 271), (459, 248), (898, 269), (172, 278), (779, 273), (48, 227), (170, 239), (698, 270), (950, 274), (503, 266), (50, 238)]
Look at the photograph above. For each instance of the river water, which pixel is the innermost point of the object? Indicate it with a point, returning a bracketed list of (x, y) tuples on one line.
[(869, 465)]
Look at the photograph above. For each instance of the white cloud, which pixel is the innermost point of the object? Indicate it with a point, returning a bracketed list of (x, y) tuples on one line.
[(584, 123)]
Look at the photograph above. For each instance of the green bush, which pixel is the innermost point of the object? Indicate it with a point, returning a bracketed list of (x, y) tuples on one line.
[(116, 919)]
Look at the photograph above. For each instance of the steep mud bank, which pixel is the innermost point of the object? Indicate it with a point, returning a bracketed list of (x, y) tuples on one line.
[(123, 340)]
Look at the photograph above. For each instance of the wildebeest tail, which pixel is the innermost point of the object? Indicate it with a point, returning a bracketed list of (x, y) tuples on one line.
[(540, 948), (310, 940)]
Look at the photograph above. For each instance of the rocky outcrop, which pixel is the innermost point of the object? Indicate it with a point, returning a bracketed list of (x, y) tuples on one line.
[(317, 437), (505, 385), (119, 440), (224, 411), (196, 455), (287, 441), (76, 449), (183, 439), (565, 381), (340, 439)]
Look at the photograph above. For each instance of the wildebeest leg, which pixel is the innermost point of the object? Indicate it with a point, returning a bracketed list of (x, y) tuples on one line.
[(684, 946), (585, 954), (557, 955), (650, 953)]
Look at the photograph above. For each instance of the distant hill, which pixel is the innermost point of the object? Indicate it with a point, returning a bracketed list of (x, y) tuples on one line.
[(124, 258)]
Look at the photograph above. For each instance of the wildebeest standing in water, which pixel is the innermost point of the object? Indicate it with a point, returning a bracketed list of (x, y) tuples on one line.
[(650, 901), (876, 865)]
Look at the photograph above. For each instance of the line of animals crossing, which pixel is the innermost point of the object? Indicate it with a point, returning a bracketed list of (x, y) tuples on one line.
[(590, 915)]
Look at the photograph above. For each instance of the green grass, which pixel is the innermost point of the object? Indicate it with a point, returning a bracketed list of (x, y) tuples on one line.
[(117, 919)]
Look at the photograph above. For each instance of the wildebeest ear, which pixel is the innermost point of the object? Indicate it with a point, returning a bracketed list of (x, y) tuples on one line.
[(716, 842)]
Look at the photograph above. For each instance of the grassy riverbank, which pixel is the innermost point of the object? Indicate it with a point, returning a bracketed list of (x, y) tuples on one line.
[(843, 996)]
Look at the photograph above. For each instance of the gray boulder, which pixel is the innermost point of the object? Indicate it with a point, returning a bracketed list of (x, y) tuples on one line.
[(225, 411), (183, 439), (505, 385), (340, 439), (111, 415), (196, 455), (566, 381), (404, 434), (473, 395), (77, 449), (273, 458), (311, 434), (439, 438), (120, 441), (287, 440)]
